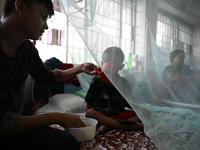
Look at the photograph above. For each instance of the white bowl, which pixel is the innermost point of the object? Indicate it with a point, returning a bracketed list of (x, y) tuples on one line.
[(85, 133)]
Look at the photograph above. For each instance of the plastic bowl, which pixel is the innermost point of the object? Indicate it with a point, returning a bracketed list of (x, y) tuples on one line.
[(85, 133)]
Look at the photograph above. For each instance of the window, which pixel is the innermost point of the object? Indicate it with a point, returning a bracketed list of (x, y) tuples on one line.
[(173, 33), (56, 4), (119, 23), (56, 37)]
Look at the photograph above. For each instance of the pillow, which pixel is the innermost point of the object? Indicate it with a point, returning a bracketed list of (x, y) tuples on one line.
[(66, 103)]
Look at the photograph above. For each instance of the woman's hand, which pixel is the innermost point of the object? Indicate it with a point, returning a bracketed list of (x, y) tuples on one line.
[(89, 68), (29, 123), (70, 120)]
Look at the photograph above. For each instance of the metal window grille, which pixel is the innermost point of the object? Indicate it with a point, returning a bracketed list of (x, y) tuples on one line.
[(173, 33)]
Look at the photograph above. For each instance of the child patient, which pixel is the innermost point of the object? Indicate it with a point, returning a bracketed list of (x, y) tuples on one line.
[(105, 103)]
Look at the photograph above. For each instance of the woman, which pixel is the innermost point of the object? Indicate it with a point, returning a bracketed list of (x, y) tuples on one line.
[(181, 83), (177, 70)]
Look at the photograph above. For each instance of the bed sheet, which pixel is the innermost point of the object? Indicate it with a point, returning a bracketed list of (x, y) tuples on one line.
[(118, 139)]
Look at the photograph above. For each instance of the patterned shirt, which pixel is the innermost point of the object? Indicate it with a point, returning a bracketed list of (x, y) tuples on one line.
[(13, 74), (106, 98)]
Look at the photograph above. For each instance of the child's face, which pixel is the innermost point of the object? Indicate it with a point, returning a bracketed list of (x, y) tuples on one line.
[(112, 59)]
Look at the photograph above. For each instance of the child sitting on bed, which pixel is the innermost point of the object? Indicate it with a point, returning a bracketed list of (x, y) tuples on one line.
[(105, 103)]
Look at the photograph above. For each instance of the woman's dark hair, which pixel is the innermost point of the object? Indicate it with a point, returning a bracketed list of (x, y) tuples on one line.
[(116, 51), (175, 53), (9, 4)]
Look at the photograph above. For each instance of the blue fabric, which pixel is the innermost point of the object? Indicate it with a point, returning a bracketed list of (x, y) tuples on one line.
[(71, 88), (45, 138), (53, 63)]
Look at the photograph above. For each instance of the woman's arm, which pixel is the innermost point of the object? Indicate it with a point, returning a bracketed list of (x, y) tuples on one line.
[(28, 123), (88, 68), (171, 77)]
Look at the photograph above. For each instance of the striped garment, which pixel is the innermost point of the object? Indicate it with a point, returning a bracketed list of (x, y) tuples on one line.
[(13, 74)]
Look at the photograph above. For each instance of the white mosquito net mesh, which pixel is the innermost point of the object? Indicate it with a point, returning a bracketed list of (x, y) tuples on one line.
[(168, 107)]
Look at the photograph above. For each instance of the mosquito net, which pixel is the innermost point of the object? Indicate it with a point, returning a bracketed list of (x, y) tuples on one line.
[(163, 90)]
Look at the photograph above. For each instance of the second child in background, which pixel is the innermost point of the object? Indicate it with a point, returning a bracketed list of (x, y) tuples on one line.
[(105, 103)]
